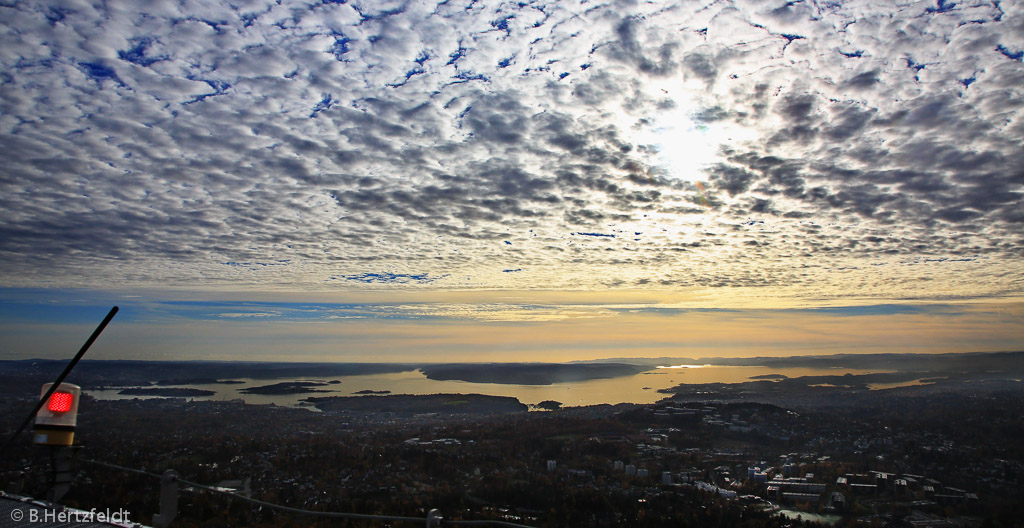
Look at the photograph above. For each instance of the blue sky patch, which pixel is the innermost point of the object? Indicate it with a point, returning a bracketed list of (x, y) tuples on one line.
[(502, 24), (100, 72), (392, 278), (137, 53), (1015, 55), (57, 14), (876, 309), (340, 47), (326, 102), (470, 76), (941, 6)]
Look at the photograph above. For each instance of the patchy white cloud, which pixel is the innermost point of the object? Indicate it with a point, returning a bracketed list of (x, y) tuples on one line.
[(818, 150), (247, 315)]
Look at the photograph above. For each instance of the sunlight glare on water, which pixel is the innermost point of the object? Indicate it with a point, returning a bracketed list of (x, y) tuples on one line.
[(640, 388)]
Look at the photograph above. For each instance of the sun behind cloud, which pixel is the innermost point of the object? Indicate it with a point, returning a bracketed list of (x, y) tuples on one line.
[(741, 152)]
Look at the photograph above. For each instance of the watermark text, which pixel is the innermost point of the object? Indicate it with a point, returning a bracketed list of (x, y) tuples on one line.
[(32, 515)]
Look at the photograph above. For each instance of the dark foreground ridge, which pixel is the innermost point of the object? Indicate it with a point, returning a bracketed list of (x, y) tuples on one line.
[(288, 387), (420, 404), (130, 373), (171, 392), (913, 376)]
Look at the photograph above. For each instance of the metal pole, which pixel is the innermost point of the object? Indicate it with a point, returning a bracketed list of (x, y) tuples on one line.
[(67, 370), (168, 499)]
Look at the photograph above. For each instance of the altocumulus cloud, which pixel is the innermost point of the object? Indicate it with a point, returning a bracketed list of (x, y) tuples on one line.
[(879, 148)]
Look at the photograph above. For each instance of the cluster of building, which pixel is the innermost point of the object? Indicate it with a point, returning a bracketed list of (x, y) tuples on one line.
[(725, 451), (781, 485)]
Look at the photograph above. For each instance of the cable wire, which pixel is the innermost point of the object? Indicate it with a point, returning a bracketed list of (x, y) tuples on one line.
[(336, 515)]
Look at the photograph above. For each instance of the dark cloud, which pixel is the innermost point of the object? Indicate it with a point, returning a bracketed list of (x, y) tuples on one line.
[(733, 180), (701, 66), (348, 141), (797, 108), (654, 59), (848, 122), (391, 278)]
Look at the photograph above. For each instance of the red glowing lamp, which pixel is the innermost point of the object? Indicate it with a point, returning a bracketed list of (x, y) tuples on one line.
[(61, 402), (55, 421)]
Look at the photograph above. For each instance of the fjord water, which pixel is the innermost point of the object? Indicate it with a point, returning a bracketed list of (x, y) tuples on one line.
[(638, 388)]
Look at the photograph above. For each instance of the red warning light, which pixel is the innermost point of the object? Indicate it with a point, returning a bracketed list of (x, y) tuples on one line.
[(61, 402)]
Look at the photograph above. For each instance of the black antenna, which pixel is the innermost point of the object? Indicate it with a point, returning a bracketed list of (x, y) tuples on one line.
[(67, 370)]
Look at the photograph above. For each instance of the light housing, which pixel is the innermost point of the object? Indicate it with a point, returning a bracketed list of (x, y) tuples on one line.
[(56, 420)]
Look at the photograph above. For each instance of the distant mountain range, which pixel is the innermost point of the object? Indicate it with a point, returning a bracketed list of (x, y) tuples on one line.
[(971, 361), (131, 373), (16, 375)]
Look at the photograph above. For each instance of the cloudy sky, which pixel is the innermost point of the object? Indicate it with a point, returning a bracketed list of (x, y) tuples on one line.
[(480, 179)]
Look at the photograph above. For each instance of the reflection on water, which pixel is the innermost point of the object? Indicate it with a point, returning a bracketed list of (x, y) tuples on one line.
[(897, 384), (639, 388)]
